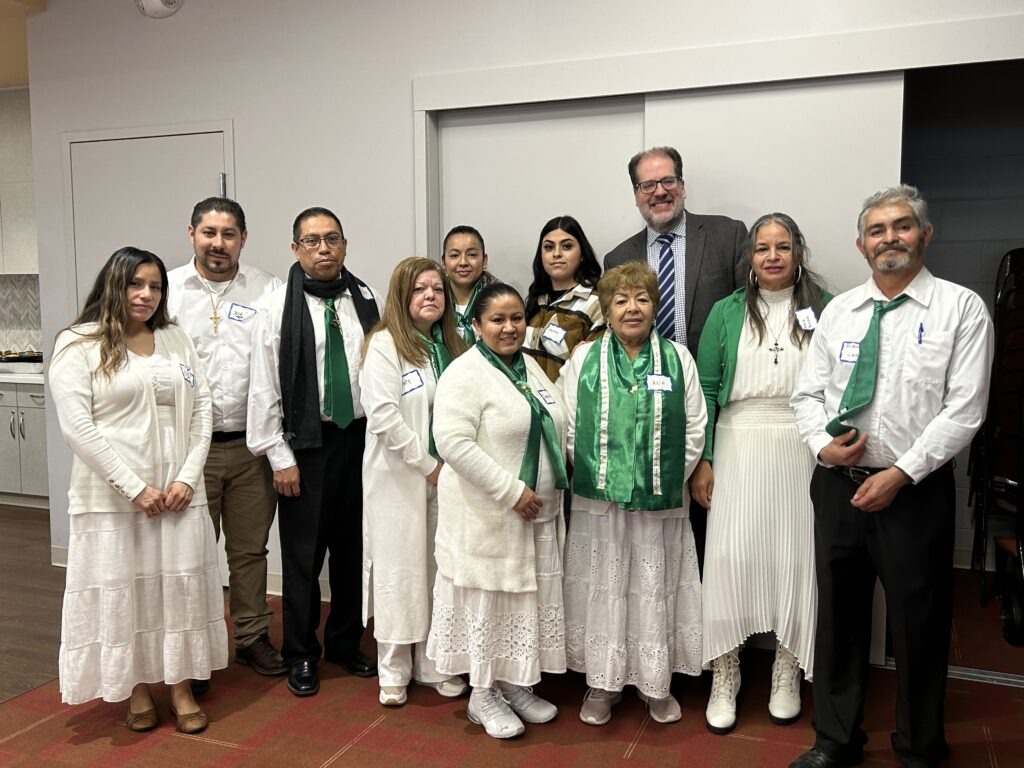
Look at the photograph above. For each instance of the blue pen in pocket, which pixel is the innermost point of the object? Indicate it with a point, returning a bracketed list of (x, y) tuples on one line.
[(920, 333)]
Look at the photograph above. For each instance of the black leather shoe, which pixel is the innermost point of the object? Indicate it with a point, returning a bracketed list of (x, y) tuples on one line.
[(303, 678), (356, 663), (200, 687), (815, 758)]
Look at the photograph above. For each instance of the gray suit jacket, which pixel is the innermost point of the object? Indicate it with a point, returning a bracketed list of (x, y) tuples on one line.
[(714, 265)]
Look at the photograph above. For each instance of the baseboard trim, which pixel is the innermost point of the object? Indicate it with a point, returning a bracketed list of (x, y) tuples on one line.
[(973, 675), (32, 502)]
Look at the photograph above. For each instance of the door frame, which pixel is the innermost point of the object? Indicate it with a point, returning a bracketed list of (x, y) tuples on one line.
[(68, 138)]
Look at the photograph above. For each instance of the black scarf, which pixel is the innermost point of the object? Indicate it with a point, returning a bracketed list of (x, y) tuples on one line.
[(300, 391)]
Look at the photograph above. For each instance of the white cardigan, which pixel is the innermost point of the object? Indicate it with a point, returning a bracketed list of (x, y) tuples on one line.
[(111, 425), (396, 396), (481, 423), (696, 420)]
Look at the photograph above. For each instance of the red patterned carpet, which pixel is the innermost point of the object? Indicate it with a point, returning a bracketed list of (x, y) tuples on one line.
[(257, 722)]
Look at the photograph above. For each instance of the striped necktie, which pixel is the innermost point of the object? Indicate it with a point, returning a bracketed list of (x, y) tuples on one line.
[(666, 320)]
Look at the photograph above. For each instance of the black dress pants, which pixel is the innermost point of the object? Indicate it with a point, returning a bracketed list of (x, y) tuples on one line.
[(326, 516), (909, 546)]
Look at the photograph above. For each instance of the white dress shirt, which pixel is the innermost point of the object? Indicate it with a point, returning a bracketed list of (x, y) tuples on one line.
[(934, 361), (265, 431), (225, 355)]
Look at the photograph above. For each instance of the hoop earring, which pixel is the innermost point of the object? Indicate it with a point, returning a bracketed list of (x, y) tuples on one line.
[(799, 274), (752, 278)]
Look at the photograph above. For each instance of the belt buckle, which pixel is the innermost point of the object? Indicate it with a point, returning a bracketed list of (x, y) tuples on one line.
[(858, 474)]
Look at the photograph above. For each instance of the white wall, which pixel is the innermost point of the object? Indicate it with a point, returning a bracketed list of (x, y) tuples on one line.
[(320, 93)]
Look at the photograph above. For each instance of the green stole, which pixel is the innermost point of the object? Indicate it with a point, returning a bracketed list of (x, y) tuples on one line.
[(440, 358), (631, 441), (464, 320), (541, 423)]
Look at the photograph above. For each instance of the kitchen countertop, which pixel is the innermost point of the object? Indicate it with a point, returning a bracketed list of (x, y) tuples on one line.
[(21, 378)]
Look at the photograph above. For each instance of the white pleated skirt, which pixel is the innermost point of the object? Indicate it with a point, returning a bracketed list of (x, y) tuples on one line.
[(143, 601), (510, 637), (759, 556), (632, 600)]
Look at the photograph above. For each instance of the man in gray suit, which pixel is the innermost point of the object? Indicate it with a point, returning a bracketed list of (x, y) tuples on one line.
[(697, 258)]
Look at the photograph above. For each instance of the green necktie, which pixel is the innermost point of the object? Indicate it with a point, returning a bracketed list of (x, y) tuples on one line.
[(861, 386), (337, 388)]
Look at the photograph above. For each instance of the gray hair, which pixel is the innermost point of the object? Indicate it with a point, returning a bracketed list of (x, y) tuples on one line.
[(902, 193)]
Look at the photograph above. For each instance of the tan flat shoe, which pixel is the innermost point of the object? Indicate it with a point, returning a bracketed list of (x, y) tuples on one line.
[(142, 721), (191, 722)]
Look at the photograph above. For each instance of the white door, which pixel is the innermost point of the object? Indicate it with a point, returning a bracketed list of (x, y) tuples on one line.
[(140, 191), (138, 187)]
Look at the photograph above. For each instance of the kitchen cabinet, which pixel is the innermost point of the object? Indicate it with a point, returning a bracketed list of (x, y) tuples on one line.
[(23, 440)]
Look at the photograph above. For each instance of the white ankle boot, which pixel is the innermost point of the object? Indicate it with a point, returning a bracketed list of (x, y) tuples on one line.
[(725, 685), (784, 704)]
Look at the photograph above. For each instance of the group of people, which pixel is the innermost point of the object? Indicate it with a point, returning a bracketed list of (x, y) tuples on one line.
[(513, 486)]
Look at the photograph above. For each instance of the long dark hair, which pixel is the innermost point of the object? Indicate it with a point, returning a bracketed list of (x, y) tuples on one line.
[(107, 305), (806, 290), (587, 274)]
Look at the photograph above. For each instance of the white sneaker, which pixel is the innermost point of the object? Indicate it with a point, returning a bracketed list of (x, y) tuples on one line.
[(720, 715), (392, 696), (784, 704), (597, 705), (526, 704), (487, 708), (665, 710), (451, 688)]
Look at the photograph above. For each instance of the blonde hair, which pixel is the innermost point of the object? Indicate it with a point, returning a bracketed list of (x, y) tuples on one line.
[(396, 320), (632, 274)]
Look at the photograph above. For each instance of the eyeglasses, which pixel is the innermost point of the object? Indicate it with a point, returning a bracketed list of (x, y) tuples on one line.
[(312, 242), (668, 184)]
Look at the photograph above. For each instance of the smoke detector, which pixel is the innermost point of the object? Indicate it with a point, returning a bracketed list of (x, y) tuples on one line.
[(158, 9)]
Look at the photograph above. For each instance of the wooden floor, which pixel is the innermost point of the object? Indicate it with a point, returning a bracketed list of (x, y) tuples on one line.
[(31, 591)]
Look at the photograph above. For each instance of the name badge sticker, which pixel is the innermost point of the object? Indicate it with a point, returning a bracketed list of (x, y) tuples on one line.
[(240, 313), (849, 352), (658, 383), (806, 319), (554, 333), (366, 293), (411, 381), (188, 375), (544, 395)]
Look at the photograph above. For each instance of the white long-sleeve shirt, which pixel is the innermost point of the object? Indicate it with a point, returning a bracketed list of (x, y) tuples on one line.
[(934, 362), (265, 430), (224, 355)]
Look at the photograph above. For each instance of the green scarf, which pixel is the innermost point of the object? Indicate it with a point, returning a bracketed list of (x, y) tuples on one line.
[(440, 358), (541, 423), (464, 320), (630, 428)]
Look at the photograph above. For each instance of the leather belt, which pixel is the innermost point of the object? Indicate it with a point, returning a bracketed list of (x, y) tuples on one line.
[(858, 474), (227, 437)]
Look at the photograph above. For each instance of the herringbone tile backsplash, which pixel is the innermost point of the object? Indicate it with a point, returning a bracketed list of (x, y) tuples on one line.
[(20, 328)]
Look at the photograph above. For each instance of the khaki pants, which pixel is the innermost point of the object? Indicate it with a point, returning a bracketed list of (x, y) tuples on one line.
[(242, 501)]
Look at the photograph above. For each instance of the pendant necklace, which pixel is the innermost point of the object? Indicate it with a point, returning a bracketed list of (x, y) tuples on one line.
[(775, 348), (215, 317)]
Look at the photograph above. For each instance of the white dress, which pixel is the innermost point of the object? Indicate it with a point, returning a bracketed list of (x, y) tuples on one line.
[(632, 585), (759, 561), (497, 608), (143, 601)]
